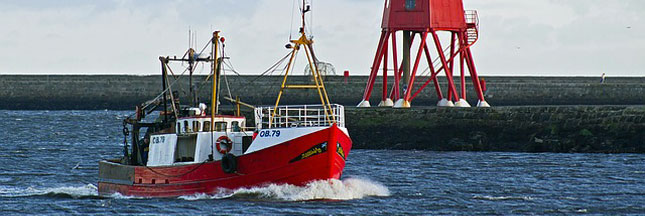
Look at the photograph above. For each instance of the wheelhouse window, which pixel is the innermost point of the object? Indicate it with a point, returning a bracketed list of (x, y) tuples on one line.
[(207, 126), (410, 4), (220, 126), (186, 127), (235, 126), (196, 126)]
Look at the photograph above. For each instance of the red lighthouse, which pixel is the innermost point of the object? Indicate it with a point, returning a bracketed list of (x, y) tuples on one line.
[(424, 20)]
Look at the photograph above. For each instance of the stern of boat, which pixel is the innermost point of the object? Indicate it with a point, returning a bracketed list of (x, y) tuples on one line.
[(114, 177)]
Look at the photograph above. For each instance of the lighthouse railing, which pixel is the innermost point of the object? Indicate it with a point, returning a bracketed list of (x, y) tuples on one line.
[(472, 17)]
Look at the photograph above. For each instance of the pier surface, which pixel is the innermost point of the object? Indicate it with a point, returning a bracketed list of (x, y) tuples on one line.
[(124, 92), (532, 114)]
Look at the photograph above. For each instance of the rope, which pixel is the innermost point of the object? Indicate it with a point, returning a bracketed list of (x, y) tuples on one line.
[(177, 78), (163, 92), (230, 66), (205, 82), (228, 86), (206, 46), (172, 102), (271, 69)]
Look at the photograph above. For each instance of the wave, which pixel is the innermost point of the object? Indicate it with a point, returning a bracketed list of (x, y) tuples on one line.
[(86, 191), (333, 189), (525, 198)]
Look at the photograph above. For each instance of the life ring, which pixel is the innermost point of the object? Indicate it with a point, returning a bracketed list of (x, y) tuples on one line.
[(229, 163), (224, 140)]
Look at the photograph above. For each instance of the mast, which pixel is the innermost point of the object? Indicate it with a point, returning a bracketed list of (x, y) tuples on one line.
[(215, 68), (191, 70), (307, 45), (163, 83), (214, 105)]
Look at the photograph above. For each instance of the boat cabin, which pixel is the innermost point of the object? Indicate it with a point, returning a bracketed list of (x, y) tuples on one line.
[(193, 141), (194, 124)]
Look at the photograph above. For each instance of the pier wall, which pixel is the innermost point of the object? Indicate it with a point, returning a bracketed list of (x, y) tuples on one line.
[(557, 114), (124, 92), (594, 129)]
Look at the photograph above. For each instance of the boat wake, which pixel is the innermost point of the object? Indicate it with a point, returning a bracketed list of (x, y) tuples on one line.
[(347, 189), (333, 189), (88, 191)]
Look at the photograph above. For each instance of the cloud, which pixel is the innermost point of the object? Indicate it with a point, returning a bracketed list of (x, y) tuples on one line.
[(555, 37), (560, 37)]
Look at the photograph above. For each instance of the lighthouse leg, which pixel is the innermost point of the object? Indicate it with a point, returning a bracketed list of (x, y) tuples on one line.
[(397, 77), (451, 84), (385, 101), (475, 79), (404, 67), (408, 92), (374, 72), (434, 73)]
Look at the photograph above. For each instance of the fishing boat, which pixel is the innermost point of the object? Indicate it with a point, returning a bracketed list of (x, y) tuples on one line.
[(193, 149)]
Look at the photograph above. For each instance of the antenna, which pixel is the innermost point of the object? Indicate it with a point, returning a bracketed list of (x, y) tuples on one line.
[(293, 6)]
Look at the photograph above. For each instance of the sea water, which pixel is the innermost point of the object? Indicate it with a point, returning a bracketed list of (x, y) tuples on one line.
[(48, 165)]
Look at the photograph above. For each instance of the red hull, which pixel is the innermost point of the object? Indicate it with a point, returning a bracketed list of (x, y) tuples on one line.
[(277, 164)]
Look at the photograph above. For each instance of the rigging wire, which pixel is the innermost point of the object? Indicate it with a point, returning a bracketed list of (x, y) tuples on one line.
[(206, 46), (272, 68), (311, 19), (229, 64), (230, 68), (293, 6), (163, 92), (210, 74), (178, 77), (228, 86), (277, 83)]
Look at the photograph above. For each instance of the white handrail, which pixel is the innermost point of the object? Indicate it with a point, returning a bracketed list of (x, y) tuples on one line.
[(298, 116)]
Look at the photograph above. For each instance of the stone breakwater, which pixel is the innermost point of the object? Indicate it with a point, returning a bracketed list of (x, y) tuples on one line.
[(558, 114), (122, 92), (593, 129)]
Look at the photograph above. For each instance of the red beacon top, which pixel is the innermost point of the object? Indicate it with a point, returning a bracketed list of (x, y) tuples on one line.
[(419, 15)]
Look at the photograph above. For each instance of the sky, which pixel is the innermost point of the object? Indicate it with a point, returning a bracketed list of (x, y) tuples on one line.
[(517, 38)]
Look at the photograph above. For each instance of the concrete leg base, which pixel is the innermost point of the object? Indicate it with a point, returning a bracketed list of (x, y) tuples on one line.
[(386, 103), (445, 103), (483, 104), (462, 103), (364, 104), (402, 104)]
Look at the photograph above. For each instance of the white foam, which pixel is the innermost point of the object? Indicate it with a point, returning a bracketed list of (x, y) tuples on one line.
[(347, 189), (76, 192), (202, 196), (118, 195)]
